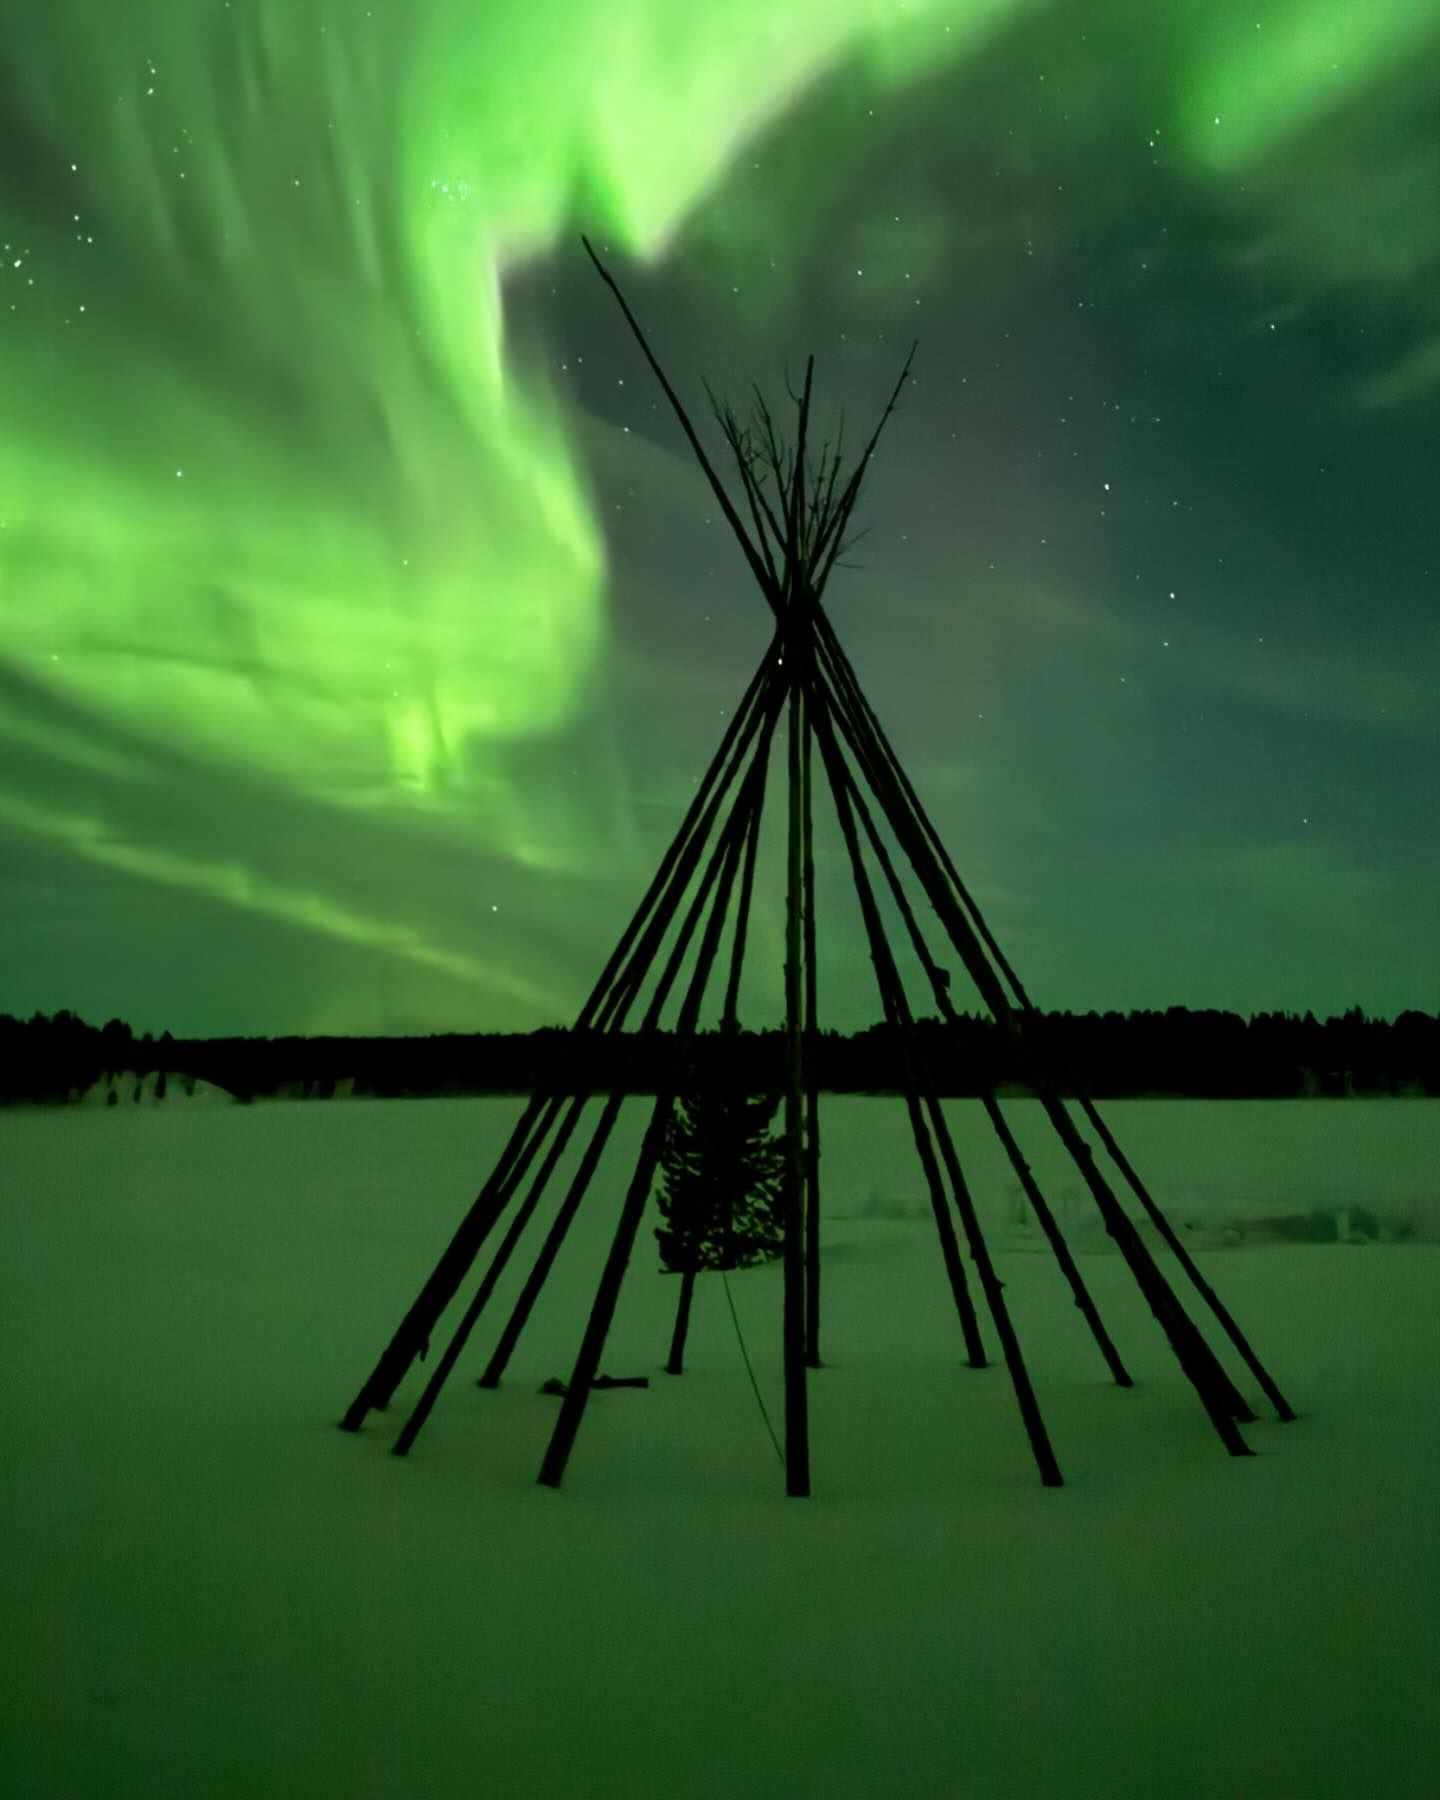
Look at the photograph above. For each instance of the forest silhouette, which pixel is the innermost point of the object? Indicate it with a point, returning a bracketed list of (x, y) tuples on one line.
[(1179, 1052)]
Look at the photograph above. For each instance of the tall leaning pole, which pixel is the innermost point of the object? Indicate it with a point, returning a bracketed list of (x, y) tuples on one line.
[(812, 1078), (799, 666), (797, 1442)]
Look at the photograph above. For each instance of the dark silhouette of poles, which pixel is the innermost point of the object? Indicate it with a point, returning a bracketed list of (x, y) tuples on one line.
[(939, 987), (812, 1089), (729, 1030), (675, 1361), (883, 961), (1212, 1385), (836, 653), (572, 1408), (491, 1378), (1283, 1410), (797, 1459), (823, 694), (612, 997), (1217, 1393), (798, 624), (918, 1084), (722, 858), (412, 1337)]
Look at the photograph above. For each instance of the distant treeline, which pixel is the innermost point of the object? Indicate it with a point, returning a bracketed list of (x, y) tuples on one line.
[(1209, 1055)]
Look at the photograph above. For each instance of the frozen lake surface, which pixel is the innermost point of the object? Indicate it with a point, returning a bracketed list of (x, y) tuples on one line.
[(211, 1591)]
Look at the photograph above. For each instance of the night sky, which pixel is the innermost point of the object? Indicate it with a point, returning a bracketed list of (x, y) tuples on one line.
[(366, 622)]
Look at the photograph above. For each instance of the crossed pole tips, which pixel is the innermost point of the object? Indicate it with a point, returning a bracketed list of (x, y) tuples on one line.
[(799, 510)]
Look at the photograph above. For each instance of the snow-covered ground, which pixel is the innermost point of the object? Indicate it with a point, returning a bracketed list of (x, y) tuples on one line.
[(208, 1590)]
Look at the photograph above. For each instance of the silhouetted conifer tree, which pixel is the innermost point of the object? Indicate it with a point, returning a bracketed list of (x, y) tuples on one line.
[(723, 1190)]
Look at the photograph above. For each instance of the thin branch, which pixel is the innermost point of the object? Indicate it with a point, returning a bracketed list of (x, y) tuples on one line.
[(744, 455), (852, 488), (757, 566), (850, 542), (793, 549)]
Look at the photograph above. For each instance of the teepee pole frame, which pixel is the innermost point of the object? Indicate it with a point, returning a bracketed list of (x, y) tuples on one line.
[(914, 1088), (720, 867), (919, 1085), (799, 535), (797, 1457), (1222, 1401), (1043, 1212), (412, 1337), (640, 944), (729, 1024), (841, 668), (812, 1086), (798, 625), (897, 1015), (577, 1393)]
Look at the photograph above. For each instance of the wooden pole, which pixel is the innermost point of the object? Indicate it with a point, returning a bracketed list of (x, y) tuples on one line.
[(578, 1186), (1212, 1385), (592, 1345), (798, 625), (729, 1026), (797, 1445), (415, 1329), (675, 1362), (1051, 1227), (1283, 1410), (848, 801), (1043, 1212), (577, 1394), (413, 1334), (721, 867), (1232, 1330), (812, 1070), (628, 986), (918, 1084), (883, 962)]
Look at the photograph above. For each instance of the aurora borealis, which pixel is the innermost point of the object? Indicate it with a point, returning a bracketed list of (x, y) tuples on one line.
[(364, 623)]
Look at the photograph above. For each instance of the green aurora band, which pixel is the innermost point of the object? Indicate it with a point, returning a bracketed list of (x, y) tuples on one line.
[(270, 496)]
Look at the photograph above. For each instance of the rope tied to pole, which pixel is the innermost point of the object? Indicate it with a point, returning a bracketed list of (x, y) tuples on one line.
[(740, 1339)]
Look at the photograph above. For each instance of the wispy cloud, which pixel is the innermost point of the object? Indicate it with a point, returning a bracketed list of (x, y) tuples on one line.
[(1416, 376), (1389, 690)]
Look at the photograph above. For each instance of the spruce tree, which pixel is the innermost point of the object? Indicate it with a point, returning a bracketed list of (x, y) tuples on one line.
[(723, 1191)]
